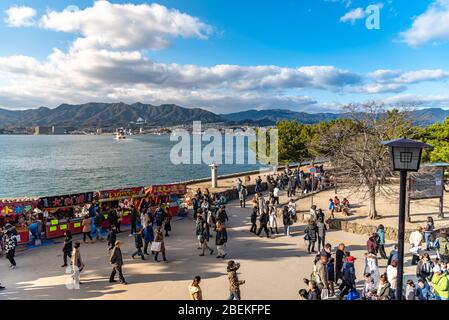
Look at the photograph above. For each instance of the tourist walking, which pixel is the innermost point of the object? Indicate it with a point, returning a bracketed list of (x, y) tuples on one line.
[(221, 238), (339, 256), (311, 236), (423, 291), (254, 220), (384, 291), (440, 284), (234, 282), (392, 276), (276, 195), (116, 261), (372, 245), (321, 232), (167, 225), (321, 277), (428, 230), (138, 241), (67, 248), (10, 244), (243, 193), (204, 239), (331, 208), (112, 237), (98, 221), (410, 290), (195, 291), (272, 219), (77, 263), (372, 268), (87, 228), (381, 241), (133, 218), (148, 237), (286, 220), (424, 268), (348, 273), (263, 220), (159, 239), (415, 240)]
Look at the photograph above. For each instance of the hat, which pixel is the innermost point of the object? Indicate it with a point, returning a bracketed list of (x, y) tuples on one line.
[(436, 269), (351, 259)]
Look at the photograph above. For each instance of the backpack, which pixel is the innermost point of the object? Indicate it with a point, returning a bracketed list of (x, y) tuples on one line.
[(443, 249)]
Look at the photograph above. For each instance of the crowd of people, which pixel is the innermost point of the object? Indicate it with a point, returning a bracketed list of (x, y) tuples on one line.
[(337, 270)]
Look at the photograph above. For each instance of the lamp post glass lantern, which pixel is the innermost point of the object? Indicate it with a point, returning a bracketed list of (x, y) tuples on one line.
[(405, 155)]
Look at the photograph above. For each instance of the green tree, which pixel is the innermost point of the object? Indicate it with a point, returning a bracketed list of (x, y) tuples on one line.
[(293, 138)]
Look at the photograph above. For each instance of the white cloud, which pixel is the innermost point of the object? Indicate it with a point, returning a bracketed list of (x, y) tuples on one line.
[(431, 26), (20, 16), (131, 26), (353, 15), (375, 88)]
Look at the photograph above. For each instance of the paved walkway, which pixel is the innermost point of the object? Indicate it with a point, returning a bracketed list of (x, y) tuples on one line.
[(273, 268)]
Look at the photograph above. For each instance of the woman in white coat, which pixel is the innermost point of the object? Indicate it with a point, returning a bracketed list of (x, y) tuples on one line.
[(272, 214)]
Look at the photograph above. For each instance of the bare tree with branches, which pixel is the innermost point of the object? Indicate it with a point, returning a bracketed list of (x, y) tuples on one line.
[(354, 147)]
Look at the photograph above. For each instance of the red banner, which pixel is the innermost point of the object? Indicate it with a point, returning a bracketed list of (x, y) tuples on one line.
[(168, 189), (119, 194)]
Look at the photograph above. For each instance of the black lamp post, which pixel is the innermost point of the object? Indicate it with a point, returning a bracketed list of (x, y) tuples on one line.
[(405, 155)]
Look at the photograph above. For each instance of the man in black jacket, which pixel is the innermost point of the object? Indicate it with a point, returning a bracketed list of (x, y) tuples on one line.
[(116, 261), (139, 244), (264, 218), (133, 220), (254, 220), (339, 256), (67, 249)]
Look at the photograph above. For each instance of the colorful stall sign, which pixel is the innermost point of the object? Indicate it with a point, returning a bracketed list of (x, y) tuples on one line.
[(120, 194), (168, 189), (67, 200), (14, 208)]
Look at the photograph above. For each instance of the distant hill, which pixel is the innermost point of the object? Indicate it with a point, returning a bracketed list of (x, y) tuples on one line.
[(275, 115), (121, 114), (105, 115)]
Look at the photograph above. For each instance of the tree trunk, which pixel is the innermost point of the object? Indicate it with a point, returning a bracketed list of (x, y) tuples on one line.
[(372, 203)]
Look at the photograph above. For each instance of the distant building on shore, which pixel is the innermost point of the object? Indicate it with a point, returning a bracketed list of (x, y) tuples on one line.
[(43, 130), (99, 131), (58, 130)]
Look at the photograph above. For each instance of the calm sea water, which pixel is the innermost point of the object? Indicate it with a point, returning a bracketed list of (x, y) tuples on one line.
[(57, 165)]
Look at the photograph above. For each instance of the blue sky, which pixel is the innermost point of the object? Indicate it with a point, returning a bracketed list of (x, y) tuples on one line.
[(224, 56)]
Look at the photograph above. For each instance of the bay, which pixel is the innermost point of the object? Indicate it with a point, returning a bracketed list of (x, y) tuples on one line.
[(57, 165)]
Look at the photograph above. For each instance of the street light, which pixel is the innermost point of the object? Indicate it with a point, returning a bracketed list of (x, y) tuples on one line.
[(405, 155)]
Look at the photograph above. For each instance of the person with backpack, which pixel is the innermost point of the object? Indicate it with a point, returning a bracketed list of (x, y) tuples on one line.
[(348, 273), (443, 247), (221, 238), (67, 248), (310, 235)]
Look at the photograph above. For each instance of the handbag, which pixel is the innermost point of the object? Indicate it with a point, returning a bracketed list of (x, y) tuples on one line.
[(324, 294), (353, 295), (156, 246)]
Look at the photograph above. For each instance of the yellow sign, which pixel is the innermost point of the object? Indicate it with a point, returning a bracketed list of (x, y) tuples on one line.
[(54, 222), (63, 226), (77, 224), (53, 229)]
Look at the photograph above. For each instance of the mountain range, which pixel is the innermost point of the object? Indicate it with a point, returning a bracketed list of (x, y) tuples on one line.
[(121, 114)]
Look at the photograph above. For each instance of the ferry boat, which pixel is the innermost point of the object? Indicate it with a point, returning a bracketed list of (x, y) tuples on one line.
[(120, 134)]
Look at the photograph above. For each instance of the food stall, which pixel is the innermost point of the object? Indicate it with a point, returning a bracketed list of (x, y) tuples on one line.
[(63, 213), (18, 213), (119, 198), (169, 195)]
